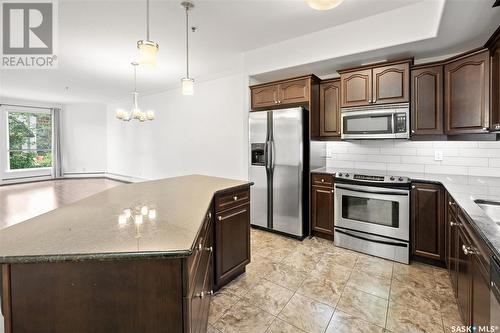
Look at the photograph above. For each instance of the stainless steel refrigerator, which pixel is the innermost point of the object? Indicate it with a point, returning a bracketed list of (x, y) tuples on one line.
[(279, 168)]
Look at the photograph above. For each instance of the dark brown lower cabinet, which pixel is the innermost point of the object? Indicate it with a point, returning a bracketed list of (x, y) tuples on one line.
[(428, 223), (472, 270), (232, 239), (322, 211)]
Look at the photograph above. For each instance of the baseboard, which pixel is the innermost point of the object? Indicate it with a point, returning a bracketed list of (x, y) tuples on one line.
[(102, 174)]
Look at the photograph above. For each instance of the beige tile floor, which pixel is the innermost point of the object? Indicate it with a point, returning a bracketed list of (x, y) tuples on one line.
[(313, 286)]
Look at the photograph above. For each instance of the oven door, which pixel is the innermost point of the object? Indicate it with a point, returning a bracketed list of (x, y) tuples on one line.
[(374, 210), (371, 124)]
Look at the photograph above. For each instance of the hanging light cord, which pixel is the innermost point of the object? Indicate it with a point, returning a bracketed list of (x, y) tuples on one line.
[(187, 42), (147, 20)]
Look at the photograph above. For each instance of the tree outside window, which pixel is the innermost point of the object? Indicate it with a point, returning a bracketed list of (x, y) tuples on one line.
[(30, 140)]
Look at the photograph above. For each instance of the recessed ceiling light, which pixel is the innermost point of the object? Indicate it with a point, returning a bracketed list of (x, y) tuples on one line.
[(323, 4)]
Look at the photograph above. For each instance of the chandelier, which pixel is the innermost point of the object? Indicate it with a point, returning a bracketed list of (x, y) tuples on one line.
[(135, 112), (323, 4)]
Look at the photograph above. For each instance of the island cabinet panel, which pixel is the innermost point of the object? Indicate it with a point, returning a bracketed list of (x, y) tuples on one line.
[(427, 222), (427, 101), (110, 296), (232, 236), (329, 109), (467, 94), (391, 84), (356, 88), (322, 211), (464, 277)]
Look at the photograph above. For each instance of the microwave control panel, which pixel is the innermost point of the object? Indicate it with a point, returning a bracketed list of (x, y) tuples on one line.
[(400, 120)]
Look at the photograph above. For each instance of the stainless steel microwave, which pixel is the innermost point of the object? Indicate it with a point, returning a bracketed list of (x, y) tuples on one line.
[(391, 121)]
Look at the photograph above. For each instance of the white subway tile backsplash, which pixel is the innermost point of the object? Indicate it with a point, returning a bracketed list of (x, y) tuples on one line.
[(446, 169), (459, 157)]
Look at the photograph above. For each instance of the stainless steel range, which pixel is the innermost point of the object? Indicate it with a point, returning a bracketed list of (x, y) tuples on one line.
[(372, 214)]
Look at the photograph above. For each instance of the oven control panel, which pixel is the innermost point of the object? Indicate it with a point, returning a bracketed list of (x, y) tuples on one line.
[(373, 178)]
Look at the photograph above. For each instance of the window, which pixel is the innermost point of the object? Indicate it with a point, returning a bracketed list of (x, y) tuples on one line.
[(29, 140)]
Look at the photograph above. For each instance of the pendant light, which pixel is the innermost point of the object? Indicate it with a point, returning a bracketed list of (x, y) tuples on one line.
[(187, 82), (323, 4), (135, 111), (147, 48)]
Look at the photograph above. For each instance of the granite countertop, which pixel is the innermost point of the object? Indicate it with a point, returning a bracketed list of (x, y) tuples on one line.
[(464, 189), (96, 228)]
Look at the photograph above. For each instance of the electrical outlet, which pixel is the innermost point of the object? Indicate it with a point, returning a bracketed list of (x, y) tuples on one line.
[(438, 155)]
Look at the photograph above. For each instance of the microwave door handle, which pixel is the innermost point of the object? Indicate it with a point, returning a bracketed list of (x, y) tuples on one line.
[(393, 121)]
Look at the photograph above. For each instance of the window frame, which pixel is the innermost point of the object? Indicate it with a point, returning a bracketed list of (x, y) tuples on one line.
[(21, 174)]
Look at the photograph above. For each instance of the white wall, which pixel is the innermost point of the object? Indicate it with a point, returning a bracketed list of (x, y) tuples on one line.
[(204, 133), (83, 138), (397, 156)]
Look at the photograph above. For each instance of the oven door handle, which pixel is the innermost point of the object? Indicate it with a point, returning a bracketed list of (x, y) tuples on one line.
[(371, 240), (398, 193)]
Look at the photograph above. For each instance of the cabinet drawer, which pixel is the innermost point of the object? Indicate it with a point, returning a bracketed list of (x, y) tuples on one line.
[(322, 179), (232, 199)]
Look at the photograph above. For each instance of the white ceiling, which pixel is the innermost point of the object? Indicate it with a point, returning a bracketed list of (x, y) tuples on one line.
[(97, 41)]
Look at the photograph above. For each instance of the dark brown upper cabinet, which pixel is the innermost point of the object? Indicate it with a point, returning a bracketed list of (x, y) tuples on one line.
[(391, 84), (427, 222), (467, 94), (356, 88), (376, 84), (427, 100), (494, 45), (286, 93), (329, 108), (264, 96)]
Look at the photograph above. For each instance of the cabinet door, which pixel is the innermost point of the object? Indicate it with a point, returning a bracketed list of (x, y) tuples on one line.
[(391, 84), (495, 89), (464, 277), (329, 109), (264, 97), (232, 239), (356, 88), (427, 101), (296, 91), (480, 293), (428, 233), (322, 209), (452, 226), (466, 101)]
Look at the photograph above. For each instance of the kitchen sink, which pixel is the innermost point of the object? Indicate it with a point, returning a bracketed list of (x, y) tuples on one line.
[(491, 208)]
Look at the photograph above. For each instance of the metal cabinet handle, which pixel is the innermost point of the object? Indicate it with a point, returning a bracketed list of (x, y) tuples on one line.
[(219, 218), (454, 224), (468, 250), (413, 131), (331, 191), (235, 198), (209, 215), (201, 248), (451, 203), (413, 186), (200, 295), (210, 293), (322, 180), (485, 129)]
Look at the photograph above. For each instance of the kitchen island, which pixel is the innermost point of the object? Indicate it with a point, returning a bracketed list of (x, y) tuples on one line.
[(141, 257)]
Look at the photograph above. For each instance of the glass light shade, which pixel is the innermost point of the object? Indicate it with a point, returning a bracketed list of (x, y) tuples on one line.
[(147, 52), (150, 115), (136, 113), (122, 219), (126, 116), (138, 219), (119, 114), (323, 4), (144, 210), (152, 214), (127, 212), (142, 117), (187, 86)]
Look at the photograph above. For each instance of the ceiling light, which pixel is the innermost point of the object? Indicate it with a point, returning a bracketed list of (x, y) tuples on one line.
[(323, 4), (135, 112), (147, 48), (187, 82)]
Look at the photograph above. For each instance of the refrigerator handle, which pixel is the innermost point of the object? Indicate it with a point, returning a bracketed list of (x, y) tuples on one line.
[(273, 158), (266, 155)]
